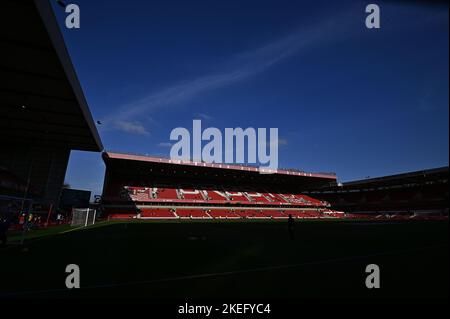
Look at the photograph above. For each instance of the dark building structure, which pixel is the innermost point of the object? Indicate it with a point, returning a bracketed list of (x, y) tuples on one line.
[(138, 186), (43, 112), (423, 191)]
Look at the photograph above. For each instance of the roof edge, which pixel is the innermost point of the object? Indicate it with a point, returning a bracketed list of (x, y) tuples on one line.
[(48, 18), (398, 176), (152, 159)]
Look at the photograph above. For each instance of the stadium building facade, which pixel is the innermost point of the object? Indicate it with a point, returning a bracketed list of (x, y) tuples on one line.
[(424, 192), (150, 187), (144, 187), (43, 114)]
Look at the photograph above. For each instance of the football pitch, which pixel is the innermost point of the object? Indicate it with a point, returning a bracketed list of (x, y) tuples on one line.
[(230, 259)]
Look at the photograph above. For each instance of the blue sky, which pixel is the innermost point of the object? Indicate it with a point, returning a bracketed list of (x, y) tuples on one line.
[(346, 99)]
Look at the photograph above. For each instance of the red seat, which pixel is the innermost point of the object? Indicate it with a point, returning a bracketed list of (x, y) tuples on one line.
[(250, 213), (192, 213), (216, 195), (236, 196), (165, 193), (273, 213), (190, 193), (157, 213), (258, 197), (222, 213)]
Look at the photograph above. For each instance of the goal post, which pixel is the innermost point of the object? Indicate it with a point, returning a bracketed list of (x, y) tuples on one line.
[(83, 217)]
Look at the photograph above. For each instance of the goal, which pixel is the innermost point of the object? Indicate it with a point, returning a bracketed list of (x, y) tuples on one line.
[(83, 216)]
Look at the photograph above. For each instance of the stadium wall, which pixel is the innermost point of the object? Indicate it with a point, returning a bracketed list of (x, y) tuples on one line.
[(42, 169)]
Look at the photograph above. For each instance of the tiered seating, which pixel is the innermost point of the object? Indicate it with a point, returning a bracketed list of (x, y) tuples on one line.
[(190, 194), (304, 213), (241, 202), (273, 197), (122, 213), (165, 193), (300, 199), (236, 196), (138, 194), (222, 213), (311, 200), (157, 213), (258, 197), (361, 216), (250, 213), (192, 213), (216, 195), (314, 214), (290, 198), (331, 213), (295, 214), (210, 193), (169, 213), (273, 213)]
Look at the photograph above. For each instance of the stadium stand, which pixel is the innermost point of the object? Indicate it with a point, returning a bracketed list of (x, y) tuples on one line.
[(192, 213), (189, 193), (251, 213), (236, 195), (165, 192), (216, 195), (157, 213), (258, 197), (183, 190), (222, 213), (414, 195), (274, 213), (43, 114)]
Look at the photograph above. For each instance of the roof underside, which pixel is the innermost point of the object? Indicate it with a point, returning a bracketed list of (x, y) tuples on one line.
[(401, 179), (42, 102), (161, 168)]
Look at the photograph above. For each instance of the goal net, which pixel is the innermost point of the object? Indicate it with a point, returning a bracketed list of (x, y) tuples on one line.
[(83, 216)]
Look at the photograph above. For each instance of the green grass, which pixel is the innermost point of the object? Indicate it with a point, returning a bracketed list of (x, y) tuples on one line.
[(156, 259)]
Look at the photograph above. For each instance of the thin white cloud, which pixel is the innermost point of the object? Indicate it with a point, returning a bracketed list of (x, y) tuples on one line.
[(240, 67), (133, 127), (203, 116), (165, 144), (281, 142)]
